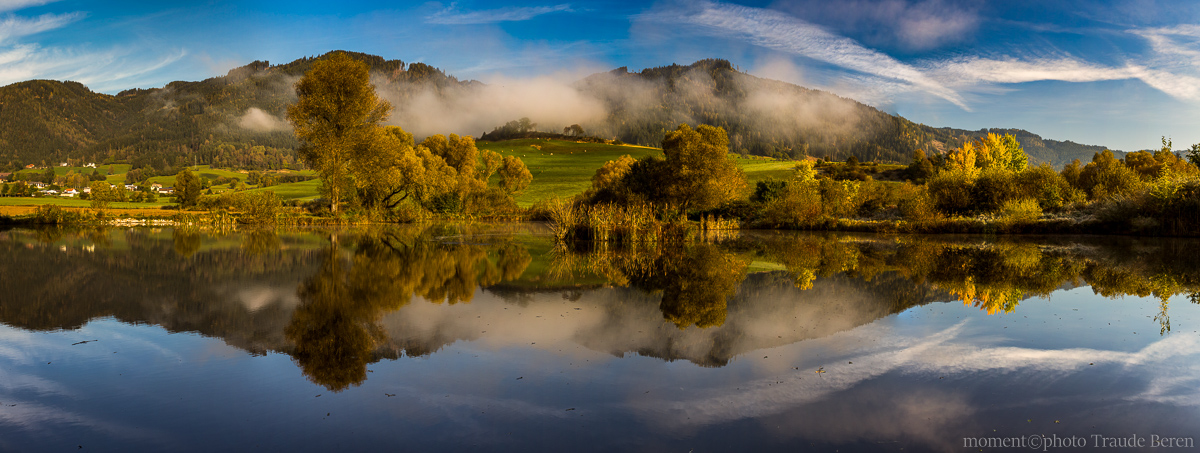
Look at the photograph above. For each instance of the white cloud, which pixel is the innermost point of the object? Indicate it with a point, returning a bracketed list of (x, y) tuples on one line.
[(12, 26), (108, 70), (921, 24), (257, 120), (782, 32), (1171, 68), (452, 16), (13, 5)]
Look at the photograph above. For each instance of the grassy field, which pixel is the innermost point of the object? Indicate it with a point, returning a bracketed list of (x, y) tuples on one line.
[(296, 190), (564, 169), (560, 169)]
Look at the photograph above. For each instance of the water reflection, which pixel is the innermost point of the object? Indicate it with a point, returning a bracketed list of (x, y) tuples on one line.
[(337, 301)]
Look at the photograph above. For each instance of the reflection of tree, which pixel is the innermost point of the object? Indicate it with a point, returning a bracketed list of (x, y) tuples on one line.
[(186, 241), (335, 331), (696, 279), (260, 241)]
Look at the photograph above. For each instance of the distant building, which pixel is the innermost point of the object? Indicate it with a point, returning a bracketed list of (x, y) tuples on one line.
[(69, 193), (64, 164), (131, 187), (90, 165), (166, 190), (30, 166)]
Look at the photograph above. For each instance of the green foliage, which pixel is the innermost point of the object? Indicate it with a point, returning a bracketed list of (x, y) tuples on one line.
[(1051, 189), (700, 174), (187, 188), (952, 190)]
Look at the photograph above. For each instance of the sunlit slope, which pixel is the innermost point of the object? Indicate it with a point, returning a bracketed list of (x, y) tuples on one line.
[(564, 169)]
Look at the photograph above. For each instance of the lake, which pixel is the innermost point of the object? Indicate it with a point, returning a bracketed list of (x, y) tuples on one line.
[(491, 338)]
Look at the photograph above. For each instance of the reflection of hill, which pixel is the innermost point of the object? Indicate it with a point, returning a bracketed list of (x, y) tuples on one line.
[(339, 308), (236, 296)]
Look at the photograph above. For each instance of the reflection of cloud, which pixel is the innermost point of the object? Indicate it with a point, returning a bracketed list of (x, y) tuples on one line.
[(1170, 371), (452, 16)]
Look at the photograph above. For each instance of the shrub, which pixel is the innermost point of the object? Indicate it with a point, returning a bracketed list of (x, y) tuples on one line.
[(1105, 177), (1021, 210), (951, 191), (797, 205), (993, 188), (915, 204), (1051, 189)]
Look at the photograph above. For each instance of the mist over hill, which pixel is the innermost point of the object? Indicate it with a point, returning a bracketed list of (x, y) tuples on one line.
[(238, 119)]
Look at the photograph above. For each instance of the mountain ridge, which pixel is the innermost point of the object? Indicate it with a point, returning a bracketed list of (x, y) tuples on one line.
[(219, 119)]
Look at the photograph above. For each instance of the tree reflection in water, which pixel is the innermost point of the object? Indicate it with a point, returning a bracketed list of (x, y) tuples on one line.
[(335, 331), (695, 279)]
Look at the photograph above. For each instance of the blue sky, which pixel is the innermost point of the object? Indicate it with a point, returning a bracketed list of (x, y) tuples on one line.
[(1114, 73)]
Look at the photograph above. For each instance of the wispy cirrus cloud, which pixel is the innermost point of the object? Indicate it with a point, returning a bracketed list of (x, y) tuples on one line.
[(13, 26), (112, 69), (1171, 68), (13, 5), (911, 24), (780, 31), (453, 16)]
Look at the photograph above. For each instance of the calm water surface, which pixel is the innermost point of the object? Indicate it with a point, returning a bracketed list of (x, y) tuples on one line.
[(489, 338)]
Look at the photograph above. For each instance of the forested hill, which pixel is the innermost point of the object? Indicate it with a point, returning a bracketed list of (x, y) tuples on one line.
[(769, 117), (238, 119), (235, 119)]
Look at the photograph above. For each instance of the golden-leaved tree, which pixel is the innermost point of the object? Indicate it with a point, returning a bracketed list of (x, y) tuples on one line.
[(701, 175), (336, 119)]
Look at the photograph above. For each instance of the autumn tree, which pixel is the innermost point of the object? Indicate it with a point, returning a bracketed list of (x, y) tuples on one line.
[(1105, 176), (102, 194), (187, 188), (336, 117), (514, 176), (700, 173), (392, 170)]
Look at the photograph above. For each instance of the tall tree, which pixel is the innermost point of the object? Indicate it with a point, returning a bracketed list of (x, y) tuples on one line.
[(701, 174), (187, 188), (337, 115)]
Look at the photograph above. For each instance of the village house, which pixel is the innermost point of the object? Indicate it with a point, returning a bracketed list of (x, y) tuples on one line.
[(90, 165), (166, 190), (131, 187), (36, 184), (69, 193), (30, 166)]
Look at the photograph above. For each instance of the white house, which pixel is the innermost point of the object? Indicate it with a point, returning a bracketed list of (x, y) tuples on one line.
[(90, 165), (69, 193)]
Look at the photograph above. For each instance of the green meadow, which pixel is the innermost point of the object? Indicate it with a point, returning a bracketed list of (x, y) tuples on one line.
[(563, 169), (560, 169)]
